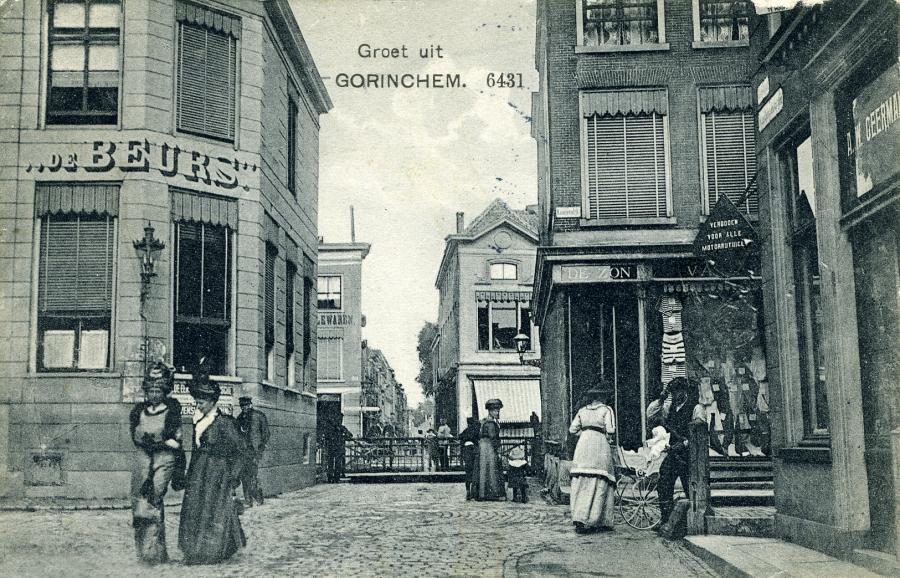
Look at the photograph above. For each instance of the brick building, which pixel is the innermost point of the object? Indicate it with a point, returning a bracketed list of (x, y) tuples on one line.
[(828, 93), (485, 282), (383, 396), (644, 120), (201, 120)]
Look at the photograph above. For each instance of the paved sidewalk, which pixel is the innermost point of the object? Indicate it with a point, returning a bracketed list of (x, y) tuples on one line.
[(744, 557)]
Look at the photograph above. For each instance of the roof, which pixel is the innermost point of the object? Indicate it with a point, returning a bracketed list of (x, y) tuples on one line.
[(496, 213)]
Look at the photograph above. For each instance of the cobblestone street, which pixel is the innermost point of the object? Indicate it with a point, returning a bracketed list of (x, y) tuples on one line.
[(354, 531)]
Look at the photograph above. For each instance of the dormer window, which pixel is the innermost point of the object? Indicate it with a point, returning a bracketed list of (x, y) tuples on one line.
[(504, 271)]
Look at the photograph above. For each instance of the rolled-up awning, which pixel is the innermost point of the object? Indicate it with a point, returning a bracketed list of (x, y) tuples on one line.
[(520, 397)]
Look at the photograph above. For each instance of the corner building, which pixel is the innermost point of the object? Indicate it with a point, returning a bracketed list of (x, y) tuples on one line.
[(828, 96), (644, 120), (201, 121)]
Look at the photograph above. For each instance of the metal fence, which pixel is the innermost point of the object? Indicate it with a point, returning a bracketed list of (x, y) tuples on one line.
[(369, 455)]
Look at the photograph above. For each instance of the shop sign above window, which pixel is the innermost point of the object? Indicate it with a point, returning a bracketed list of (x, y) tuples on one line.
[(875, 114), (726, 238)]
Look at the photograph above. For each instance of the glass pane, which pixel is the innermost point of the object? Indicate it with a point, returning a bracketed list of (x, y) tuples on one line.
[(68, 15), (104, 16), (504, 326), (194, 341), (805, 173), (67, 57), (188, 270), (484, 342), (59, 348), (103, 57), (215, 272), (94, 345)]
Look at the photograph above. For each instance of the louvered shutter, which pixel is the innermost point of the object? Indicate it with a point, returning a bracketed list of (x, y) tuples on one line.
[(329, 356), (289, 298), (76, 260), (729, 149), (626, 167), (271, 252), (206, 82)]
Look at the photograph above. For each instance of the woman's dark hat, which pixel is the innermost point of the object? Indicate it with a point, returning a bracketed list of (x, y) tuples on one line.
[(493, 404), (159, 375), (245, 400), (202, 388)]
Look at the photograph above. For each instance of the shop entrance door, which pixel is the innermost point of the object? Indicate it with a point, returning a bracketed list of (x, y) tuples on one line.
[(606, 349)]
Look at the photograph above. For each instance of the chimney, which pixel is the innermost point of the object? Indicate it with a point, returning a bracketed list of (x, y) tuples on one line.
[(352, 226), (460, 220)]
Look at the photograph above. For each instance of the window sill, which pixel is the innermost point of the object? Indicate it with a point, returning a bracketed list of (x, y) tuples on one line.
[(309, 394), (92, 374), (807, 455), (628, 222), (623, 48), (720, 44), (217, 378)]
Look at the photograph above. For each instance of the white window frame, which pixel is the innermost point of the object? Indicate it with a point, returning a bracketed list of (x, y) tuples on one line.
[(660, 27), (585, 193), (520, 305), (503, 276), (341, 292), (749, 148), (698, 43)]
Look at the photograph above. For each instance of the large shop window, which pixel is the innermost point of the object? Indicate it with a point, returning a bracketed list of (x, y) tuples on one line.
[(206, 71), (720, 22), (612, 23), (798, 170), (203, 285), (624, 134), (728, 146), (84, 62), (330, 363), (75, 275), (501, 316), (330, 292)]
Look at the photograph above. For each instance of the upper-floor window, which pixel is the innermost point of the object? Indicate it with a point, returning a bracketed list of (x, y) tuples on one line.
[(330, 357), (728, 147), (330, 292), (84, 62), (202, 281), (75, 275), (625, 143), (206, 71), (269, 309), (292, 112), (620, 23), (504, 271), (501, 319), (722, 22)]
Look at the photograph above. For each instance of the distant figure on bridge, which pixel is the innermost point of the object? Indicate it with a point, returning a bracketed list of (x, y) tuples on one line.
[(489, 477), (468, 439), (444, 436), (432, 451), (335, 438)]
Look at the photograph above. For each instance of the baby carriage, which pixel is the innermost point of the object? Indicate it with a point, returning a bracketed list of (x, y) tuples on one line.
[(637, 476)]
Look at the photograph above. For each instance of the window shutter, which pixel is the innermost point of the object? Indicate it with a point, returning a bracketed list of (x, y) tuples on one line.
[(75, 272), (626, 167), (206, 82), (271, 252), (730, 158), (289, 298)]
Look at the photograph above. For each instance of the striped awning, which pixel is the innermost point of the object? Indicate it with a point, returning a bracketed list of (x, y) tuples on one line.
[(55, 198), (503, 296), (203, 208), (208, 18), (725, 98), (624, 102), (520, 397)]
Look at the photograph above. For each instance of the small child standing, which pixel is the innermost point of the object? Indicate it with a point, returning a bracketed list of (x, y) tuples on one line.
[(518, 466)]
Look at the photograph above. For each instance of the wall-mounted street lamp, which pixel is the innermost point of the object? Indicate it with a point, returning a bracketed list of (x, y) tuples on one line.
[(148, 250), (522, 341)]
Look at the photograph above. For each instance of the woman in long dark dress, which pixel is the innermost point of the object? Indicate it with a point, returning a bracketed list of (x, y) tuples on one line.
[(156, 431), (210, 529), (489, 478)]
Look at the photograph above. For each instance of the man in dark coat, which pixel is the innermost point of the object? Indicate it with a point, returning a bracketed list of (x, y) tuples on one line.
[(468, 439), (675, 465), (255, 428), (335, 435)]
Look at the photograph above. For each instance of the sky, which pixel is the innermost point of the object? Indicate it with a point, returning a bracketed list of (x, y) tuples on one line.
[(409, 159)]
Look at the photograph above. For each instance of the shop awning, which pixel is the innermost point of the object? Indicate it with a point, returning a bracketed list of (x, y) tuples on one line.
[(624, 102), (520, 397)]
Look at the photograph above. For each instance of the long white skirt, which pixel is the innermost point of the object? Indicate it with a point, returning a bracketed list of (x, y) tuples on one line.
[(593, 501)]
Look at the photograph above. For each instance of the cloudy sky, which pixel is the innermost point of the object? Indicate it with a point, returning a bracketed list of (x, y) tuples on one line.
[(407, 159)]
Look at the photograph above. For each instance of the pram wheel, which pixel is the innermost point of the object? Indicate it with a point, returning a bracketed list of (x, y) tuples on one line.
[(637, 501)]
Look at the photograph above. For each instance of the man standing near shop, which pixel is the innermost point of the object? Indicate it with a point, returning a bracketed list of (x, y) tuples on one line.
[(444, 435), (255, 428)]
